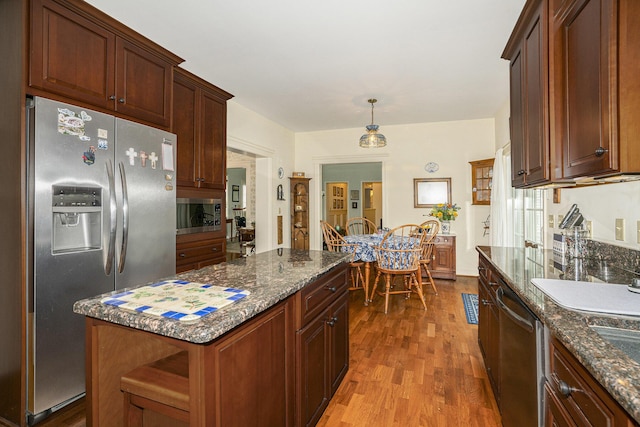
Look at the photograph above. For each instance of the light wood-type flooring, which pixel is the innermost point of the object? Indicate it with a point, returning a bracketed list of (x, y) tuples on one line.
[(408, 368)]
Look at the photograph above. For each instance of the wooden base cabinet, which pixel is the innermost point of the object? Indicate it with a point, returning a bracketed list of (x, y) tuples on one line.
[(489, 324), (196, 251), (574, 398), (322, 345), (443, 265)]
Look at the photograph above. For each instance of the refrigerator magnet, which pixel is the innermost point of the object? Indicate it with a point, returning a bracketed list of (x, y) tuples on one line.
[(143, 158), (89, 156), (131, 154), (154, 160), (167, 155), (103, 144)]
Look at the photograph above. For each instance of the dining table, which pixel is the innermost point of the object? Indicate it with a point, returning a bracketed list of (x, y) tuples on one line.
[(366, 252)]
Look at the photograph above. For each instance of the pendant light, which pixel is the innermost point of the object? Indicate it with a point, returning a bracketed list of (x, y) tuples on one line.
[(372, 139)]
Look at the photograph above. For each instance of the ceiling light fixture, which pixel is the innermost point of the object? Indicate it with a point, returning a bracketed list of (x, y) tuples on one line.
[(372, 139)]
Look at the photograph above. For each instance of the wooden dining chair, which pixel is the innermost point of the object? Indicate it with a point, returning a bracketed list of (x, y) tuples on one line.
[(360, 225), (336, 243), (430, 229), (399, 255)]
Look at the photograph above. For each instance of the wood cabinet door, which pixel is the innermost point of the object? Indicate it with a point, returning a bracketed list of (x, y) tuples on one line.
[(585, 81), (185, 100), (213, 144), (143, 84), (535, 88), (253, 372), (71, 55), (516, 121), (529, 103), (339, 332), (313, 388)]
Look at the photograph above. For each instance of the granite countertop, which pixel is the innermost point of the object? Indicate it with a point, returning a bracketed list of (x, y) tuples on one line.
[(270, 277), (616, 372)]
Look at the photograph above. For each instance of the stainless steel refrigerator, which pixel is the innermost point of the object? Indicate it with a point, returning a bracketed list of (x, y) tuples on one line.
[(102, 216)]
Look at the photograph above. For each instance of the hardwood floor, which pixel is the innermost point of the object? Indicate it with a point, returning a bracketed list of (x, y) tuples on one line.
[(413, 367), (410, 367)]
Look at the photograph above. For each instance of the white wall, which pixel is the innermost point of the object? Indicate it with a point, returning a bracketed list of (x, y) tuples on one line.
[(602, 204), (451, 144), (273, 146)]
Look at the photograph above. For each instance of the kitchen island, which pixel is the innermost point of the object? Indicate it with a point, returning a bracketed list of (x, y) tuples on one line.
[(613, 369), (247, 361)]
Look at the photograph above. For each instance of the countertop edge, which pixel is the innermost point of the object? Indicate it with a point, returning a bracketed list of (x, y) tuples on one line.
[(214, 324)]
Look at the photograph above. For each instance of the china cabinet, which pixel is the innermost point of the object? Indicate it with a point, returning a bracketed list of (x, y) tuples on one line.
[(481, 181), (299, 212)]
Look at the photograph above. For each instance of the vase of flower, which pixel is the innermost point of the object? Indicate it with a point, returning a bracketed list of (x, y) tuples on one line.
[(445, 212)]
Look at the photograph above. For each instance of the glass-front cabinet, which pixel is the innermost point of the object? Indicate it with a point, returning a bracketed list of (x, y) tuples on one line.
[(481, 181), (299, 213)]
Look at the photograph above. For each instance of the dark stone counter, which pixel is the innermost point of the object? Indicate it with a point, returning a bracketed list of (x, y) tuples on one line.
[(617, 372), (270, 277)]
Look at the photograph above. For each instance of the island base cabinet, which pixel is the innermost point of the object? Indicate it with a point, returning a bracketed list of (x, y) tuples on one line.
[(244, 378), (323, 360)]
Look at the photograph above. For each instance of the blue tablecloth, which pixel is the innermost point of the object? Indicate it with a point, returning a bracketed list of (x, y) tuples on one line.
[(367, 243)]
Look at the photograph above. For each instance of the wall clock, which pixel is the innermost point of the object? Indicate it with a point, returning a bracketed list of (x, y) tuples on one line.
[(431, 167), (280, 172)]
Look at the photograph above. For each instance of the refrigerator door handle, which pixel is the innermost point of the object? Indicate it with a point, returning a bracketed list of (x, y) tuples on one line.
[(125, 218), (113, 209)]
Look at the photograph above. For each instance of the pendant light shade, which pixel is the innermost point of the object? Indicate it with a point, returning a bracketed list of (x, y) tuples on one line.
[(372, 139)]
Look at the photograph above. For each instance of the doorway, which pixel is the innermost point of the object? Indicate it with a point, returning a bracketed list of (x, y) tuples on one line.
[(359, 186), (372, 202), (336, 200)]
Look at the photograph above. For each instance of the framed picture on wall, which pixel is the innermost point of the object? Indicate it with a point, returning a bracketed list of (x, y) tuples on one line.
[(355, 194), (354, 205), (428, 192), (235, 193)]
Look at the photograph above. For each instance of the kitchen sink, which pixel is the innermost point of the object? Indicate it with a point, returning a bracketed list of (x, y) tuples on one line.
[(627, 340)]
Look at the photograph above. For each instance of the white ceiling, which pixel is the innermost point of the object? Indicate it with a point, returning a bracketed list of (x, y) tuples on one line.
[(312, 65)]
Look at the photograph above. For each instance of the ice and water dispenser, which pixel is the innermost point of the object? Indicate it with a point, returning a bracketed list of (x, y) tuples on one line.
[(77, 218)]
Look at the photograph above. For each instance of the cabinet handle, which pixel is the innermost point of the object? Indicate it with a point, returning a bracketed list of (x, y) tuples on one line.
[(600, 151), (521, 172), (481, 268), (332, 288), (565, 389), (182, 255), (121, 100), (112, 97), (214, 249), (331, 322), (486, 302), (493, 283)]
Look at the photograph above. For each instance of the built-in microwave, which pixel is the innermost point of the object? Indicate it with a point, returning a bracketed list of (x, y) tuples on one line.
[(198, 215)]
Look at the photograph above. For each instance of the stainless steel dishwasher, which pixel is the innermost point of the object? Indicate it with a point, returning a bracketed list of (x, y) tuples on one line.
[(521, 361)]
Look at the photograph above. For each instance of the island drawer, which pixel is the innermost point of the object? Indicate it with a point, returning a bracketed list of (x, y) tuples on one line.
[(315, 297)]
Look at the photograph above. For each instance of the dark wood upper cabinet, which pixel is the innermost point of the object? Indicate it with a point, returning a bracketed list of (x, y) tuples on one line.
[(595, 46), (575, 96), (527, 51), (200, 121), (80, 55)]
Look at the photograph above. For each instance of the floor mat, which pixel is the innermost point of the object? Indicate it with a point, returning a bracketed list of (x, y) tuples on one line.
[(470, 302)]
